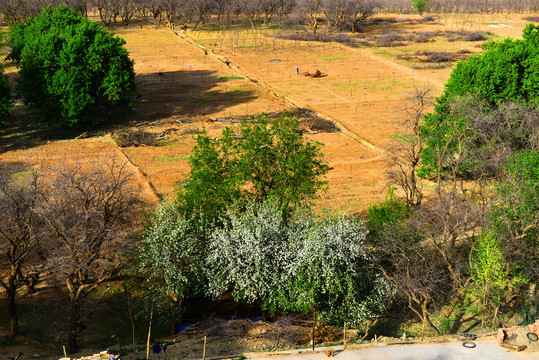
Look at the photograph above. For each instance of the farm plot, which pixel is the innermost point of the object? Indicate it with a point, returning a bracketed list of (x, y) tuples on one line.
[(181, 107), (363, 86), (355, 88)]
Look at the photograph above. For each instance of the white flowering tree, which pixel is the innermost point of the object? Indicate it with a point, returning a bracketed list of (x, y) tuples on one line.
[(298, 263), (253, 253), (333, 272), (173, 252)]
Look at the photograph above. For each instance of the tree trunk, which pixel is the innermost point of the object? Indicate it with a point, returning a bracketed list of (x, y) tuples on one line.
[(73, 330), (14, 321)]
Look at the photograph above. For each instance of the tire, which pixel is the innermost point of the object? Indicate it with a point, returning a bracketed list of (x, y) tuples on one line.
[(532, 336), (469, 344)]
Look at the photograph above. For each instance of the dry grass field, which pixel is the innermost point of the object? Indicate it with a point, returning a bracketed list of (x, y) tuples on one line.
[(183, 90)]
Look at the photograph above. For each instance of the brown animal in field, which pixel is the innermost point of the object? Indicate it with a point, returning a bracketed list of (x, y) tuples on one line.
[(316, 74)]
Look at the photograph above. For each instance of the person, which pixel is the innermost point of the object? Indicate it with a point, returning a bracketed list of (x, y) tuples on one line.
[(297, 70)]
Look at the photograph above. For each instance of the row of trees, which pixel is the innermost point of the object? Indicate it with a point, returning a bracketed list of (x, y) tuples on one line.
[(68, 223), (226, 11)]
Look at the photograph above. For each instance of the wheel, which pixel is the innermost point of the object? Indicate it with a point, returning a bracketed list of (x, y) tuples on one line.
[(532, 336), (469, 344)]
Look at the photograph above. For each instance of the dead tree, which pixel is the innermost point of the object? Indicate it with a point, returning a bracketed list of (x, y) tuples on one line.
[(88, 211)]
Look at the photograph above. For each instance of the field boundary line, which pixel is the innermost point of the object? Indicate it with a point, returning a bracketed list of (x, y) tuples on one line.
[(150, 189), (279, 93)]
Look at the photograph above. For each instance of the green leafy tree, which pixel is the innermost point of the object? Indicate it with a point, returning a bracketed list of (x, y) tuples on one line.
[(494, 281), (70, 69), (472, 121), (421, 6), (515, 213), (264, 161)]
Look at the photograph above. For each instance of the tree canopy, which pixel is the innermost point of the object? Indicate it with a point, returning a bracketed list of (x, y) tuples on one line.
[(71, 70), (301, 262), (264, 161)]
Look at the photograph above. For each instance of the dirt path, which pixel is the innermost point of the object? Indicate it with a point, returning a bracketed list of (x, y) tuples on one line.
[(418, 76)]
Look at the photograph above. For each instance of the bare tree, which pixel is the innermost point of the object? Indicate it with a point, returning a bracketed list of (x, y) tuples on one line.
[(269, 8), (284, 9), (405, 155), (251, 9), (360, 10), (310, 9), (126, 10), (88, 211), (203, 10), (106, 10), (339, 13), (335, 12), (20, 235)]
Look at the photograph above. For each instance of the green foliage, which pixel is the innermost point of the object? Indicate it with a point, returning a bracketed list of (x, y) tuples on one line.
[(506, 70), (466, 123), (421, 6), (297, 263), (386, 214), (71, 70), (493, 281), (264, 161), (515, 213), (6, 102)]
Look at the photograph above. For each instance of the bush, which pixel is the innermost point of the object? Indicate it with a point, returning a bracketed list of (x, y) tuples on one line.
[(390, 39), (464, 35), (71, 70)]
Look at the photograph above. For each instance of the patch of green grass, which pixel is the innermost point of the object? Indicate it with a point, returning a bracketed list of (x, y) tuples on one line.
[(332, 57), (224, 77), (379, 51), (173, 158)]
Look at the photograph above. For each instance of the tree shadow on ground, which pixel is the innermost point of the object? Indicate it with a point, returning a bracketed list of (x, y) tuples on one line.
[(186, 93), (158, 96)]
